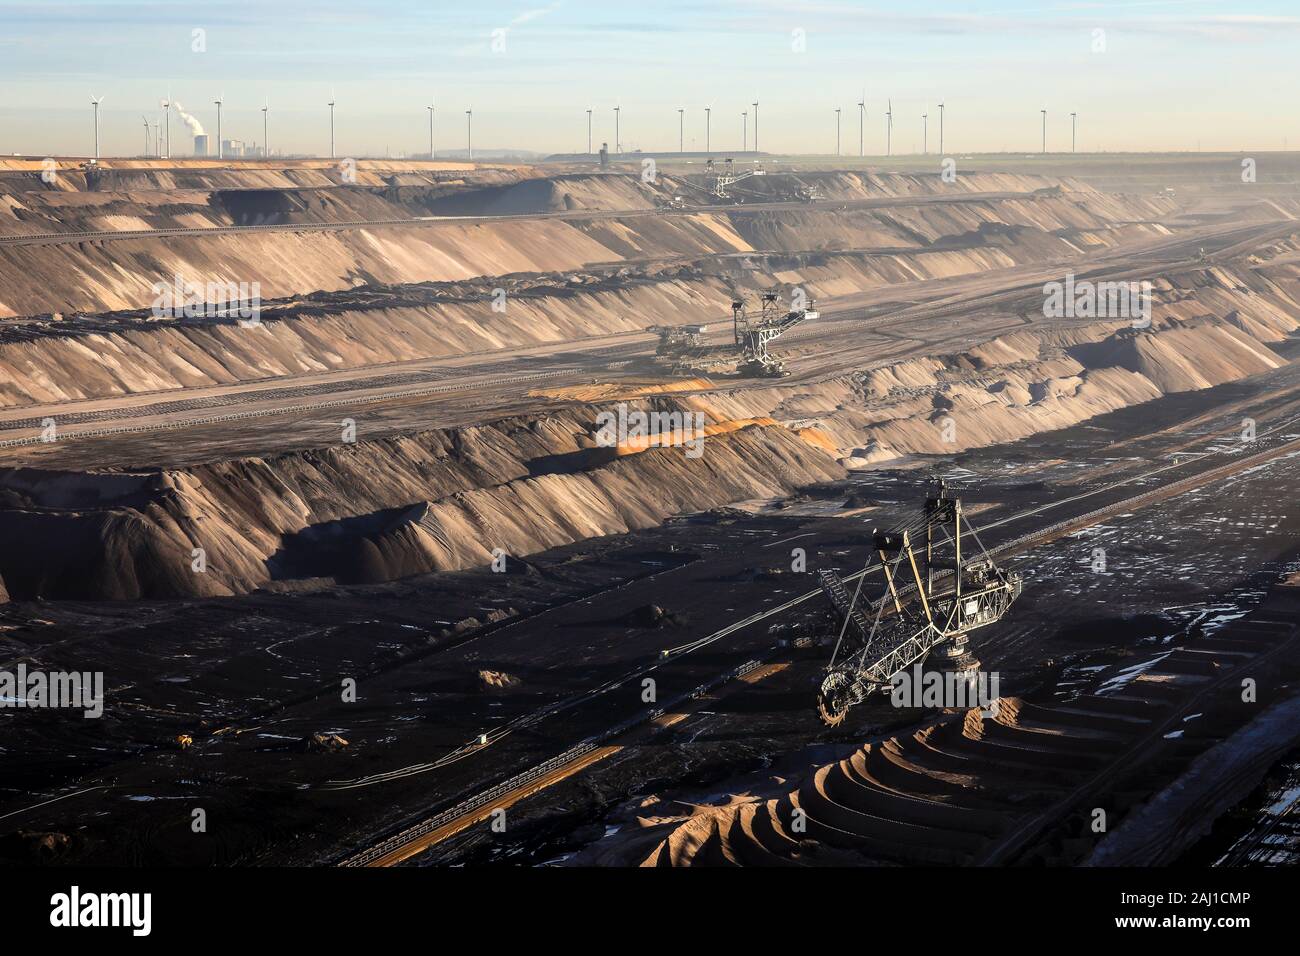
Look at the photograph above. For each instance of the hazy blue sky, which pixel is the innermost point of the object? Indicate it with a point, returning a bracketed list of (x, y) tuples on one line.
[(1173, 73)]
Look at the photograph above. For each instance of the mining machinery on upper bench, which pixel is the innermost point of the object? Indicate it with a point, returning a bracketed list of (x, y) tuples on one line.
[(942, 594), (729, 177), (753, 335), (680, 346)]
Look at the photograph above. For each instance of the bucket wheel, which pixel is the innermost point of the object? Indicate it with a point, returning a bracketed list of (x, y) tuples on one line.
[(834, 699)]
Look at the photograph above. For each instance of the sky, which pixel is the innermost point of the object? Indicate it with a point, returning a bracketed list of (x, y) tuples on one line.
[(1142, 75)]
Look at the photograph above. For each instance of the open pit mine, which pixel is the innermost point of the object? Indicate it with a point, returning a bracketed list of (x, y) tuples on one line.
[(549, 514)]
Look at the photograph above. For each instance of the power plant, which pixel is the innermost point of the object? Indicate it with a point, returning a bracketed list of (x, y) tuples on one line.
[(192, 124)]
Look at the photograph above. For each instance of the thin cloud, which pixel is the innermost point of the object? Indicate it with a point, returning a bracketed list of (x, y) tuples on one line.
[(771, 15), (528, 16)]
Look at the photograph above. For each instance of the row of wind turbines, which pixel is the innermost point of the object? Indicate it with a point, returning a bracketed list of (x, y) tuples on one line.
[(158, 138), (681, 129), (744, 116), (161, 145), (889, 128)]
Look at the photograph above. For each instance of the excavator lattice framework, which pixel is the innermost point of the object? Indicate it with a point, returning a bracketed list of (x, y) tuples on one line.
[(947, 595), (754, 334)]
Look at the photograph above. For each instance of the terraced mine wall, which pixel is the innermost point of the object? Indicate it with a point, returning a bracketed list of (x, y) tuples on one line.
[(187, 194), (70, 357), (1017, 385), (449, 499), (128, 353), (94, 276), (438, 500), (125, 195)]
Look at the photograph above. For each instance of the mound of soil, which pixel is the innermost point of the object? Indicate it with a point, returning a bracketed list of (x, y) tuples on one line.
[(652, 615)]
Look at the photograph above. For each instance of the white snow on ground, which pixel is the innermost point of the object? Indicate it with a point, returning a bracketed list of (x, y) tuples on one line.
[(1129, 674), (1280, 806)]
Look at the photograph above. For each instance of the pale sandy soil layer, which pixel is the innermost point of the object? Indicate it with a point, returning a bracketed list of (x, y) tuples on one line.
[(454, 497)]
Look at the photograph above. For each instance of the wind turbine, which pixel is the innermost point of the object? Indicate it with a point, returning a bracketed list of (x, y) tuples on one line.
[(862, 118), (755, 105), (469, 134), (266, 140), (889, 129), (708, 125), (167, 120), (95, 103), (618, 145), (1074, 128), (681, 130), (146, 135), (925, 133), (837, 131), (331, 124), (744, 131), (1044, 112), (221, 153), (432, 154), (588, 132), (940, 129)]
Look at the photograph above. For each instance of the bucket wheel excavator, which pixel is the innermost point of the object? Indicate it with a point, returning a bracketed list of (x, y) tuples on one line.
[(936, 590), (753, 334)]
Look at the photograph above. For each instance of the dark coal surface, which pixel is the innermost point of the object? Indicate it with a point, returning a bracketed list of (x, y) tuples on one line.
[(251, 678)]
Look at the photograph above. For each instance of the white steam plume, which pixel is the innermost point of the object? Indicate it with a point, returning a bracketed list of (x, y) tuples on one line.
[(196, 128)]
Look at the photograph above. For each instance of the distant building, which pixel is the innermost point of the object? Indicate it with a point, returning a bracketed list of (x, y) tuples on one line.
[(201, 145)]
